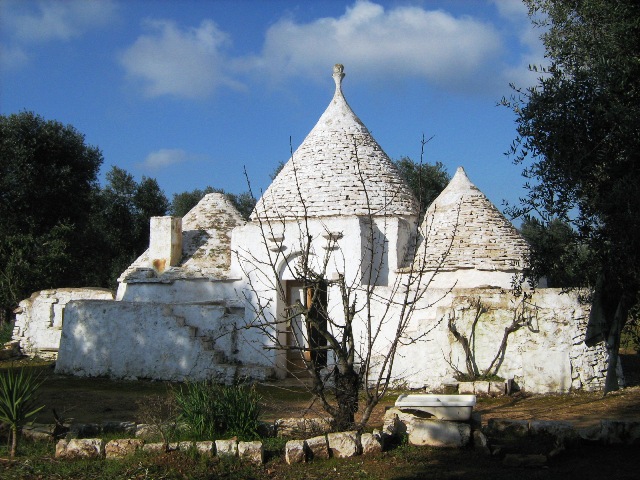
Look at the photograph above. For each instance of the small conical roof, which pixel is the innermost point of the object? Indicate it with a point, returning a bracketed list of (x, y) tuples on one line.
[(462, 229), (339, 169)]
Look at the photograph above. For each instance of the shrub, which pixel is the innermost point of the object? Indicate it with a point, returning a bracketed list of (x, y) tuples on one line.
[(211, 410), (18, 402), (6, 332)]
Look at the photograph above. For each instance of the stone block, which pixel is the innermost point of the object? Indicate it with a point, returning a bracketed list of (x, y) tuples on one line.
[(61, 448), (39, 431), (153, 448), (343, 444), (122, 448), (251, 451), (186, 446), (370, 443), (480, 442), (205, 448), (513, 427), (563, 431), (227, 448), (303, 427), (439, 433), (318, 447), (295, 451), (466, 388), (614, 432), (81, 448), (481, 388), (497, 389)]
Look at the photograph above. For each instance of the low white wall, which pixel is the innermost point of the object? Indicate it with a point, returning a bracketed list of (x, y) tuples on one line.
[(547, 355), (40, 318), (160, 341)]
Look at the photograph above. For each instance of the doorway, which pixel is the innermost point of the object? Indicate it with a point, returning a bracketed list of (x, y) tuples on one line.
[(306, 310)]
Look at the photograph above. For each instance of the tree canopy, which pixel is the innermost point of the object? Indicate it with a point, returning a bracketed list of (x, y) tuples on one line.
[(425, 180), (578, 140), (59, 226)]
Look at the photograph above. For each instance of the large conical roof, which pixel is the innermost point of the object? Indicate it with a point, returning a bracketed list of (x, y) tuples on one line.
[(338, 170), (462, 229)]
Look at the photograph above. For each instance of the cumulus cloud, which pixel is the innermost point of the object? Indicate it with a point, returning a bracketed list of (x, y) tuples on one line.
[(47, 20), (187, 62), (163, 158), (515, 13), (401, 41)]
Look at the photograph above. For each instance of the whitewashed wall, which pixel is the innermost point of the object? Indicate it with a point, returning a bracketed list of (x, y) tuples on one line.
[(40, 318), (160, 341)]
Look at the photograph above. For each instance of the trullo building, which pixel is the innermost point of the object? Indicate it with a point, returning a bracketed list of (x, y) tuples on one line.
[(215, 297)]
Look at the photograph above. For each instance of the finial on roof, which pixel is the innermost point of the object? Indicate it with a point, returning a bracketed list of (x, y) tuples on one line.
[(338, 75)]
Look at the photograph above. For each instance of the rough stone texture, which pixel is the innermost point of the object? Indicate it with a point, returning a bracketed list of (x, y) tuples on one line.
[(318, 447), (122, 448), (40, 318), (80, 448), (563, 431), (295, 451), (206, 448), (251, 451), (462, 229), (512, 427), (480, 442), (39, 431), (370, 443), (185, 446), (438, 433), (153, 448), (466, 388), (303, 427), (614, 432), (206, 245), (330, 163), (343, 444), (227, 448)]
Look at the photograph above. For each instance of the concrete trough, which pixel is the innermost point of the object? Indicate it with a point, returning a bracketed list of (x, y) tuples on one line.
[(442, 407)]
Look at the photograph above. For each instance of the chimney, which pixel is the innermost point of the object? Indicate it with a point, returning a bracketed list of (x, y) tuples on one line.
[(165, 242)]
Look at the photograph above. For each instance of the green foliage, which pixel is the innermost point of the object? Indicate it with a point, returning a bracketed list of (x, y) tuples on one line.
[(557, 253), (211, 410), (425, 180), (578, 142), (48, 177), (18, 401), (6, 332)]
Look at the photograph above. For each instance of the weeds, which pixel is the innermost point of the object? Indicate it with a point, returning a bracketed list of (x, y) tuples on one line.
[(211, 410)]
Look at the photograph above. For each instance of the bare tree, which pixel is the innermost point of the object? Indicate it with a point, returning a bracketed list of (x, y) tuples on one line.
[(346, 323)]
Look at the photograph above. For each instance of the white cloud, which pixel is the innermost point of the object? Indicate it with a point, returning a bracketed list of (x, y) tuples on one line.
[(187, 63), (401, 41), (164, 157), (532, 50), (57, 20), (12, 57)]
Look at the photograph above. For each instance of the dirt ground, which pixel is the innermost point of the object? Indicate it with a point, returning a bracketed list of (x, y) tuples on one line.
[(94, 400)]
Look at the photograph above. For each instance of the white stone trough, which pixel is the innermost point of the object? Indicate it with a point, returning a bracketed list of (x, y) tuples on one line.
[(442, 407)]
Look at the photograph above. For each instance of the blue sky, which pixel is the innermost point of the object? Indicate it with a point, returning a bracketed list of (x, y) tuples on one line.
[(191, 92)]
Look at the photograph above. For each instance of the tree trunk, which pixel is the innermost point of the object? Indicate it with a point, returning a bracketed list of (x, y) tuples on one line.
[(613, 345), (14, 441), (347, 389)]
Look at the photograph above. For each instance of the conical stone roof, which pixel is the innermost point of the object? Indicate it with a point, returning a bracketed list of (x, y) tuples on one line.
[(339, 169), (462, 229)]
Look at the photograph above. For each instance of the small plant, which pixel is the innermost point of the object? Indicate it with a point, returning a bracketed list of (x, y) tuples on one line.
[(18, 400), (160, 411), (211, 410)]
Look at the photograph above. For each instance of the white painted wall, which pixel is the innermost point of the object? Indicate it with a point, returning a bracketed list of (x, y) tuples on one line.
[(40, 318)]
